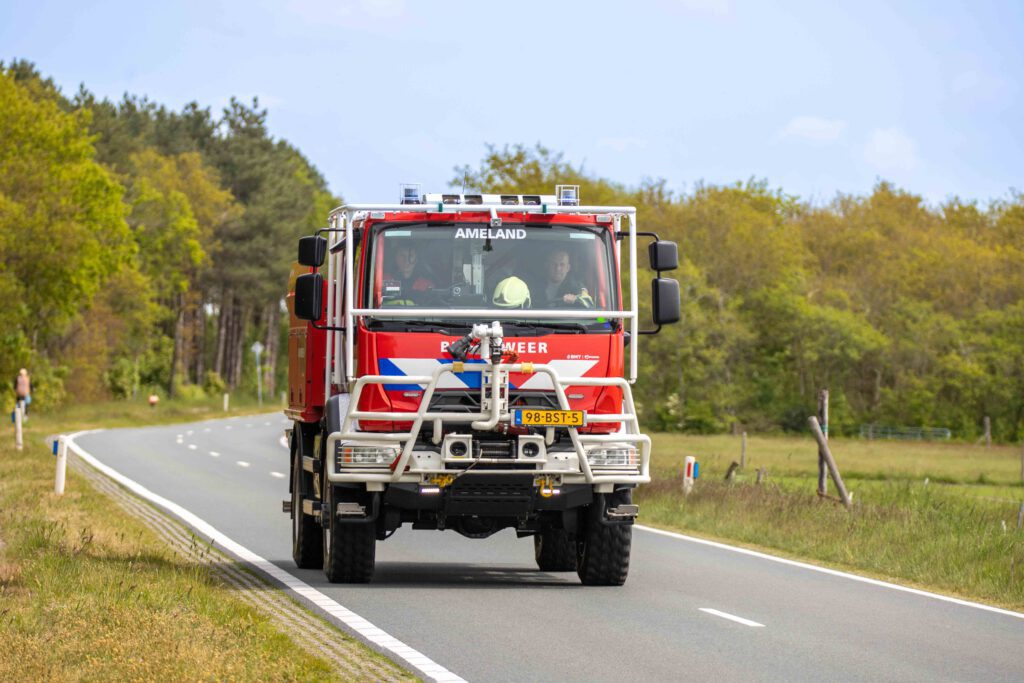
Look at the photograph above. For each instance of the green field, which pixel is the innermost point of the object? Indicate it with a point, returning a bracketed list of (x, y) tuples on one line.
[(88, 592), (942, 516)]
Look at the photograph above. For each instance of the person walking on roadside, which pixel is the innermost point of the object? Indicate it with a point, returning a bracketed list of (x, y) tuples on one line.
[(23, 390)]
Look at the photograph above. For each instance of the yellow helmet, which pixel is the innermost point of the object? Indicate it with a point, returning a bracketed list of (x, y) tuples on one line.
[(511, 293)]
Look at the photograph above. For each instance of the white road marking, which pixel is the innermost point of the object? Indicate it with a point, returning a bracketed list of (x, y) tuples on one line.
[(833, 572), (267, 424), (283, 442), (189, 433), (215, 454), (227, 426), (248, 424), (277, 475), (179, 437), (207, 429), (191, 446), (364, 628), (731, 617), (241, 463)]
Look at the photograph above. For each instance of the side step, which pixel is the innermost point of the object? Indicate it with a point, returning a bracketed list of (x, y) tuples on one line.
[(624, 512)]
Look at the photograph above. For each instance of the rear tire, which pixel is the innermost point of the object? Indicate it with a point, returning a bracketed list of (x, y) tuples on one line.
[(555, 550), (307, 536), (602, 551), (349, 550)]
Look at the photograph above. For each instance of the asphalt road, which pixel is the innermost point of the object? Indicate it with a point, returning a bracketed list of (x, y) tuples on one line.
[(481, 609)]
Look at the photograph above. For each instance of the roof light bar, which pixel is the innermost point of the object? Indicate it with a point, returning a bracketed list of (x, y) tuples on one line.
[(568, 195), (410, 194)]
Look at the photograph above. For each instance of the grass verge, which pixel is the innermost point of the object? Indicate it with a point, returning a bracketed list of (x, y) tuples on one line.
[(90, 592), (939, 516)]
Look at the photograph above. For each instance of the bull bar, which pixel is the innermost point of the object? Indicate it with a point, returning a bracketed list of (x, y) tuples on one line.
[(486, 420)]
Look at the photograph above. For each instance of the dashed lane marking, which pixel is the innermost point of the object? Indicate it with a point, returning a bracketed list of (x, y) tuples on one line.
[(833, 572), (192, 446), (731, 617), (215, 454), (241, 463), (277, 475)]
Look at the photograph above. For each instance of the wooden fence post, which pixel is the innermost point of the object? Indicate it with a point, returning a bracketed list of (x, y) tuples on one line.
[(829, 461), (743, 451), (823, 422), (988, 432)]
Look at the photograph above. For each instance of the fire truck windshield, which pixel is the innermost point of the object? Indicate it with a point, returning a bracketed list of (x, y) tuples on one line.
[(474, 266)]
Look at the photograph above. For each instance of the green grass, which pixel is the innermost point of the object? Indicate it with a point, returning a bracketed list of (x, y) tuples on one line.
[(89, 593), (945, 534)]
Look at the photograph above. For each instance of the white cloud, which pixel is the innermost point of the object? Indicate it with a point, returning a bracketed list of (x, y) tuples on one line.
[(890, 150), (813, 128), (622, 144)]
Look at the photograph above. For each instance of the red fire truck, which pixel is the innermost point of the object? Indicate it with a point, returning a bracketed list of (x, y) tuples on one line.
[(458, 361)]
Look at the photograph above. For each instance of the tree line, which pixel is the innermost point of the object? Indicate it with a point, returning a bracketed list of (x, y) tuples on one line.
[(909, 314), (144, 249), (147, 248)]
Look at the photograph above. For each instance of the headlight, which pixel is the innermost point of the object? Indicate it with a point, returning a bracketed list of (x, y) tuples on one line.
[(614, 456), (365, 456)]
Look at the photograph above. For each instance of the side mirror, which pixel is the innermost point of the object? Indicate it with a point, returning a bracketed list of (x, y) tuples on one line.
[(309, 290), (664, 255), (665, 300), (312, 251)]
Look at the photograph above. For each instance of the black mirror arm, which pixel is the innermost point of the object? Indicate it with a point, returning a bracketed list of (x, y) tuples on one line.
[(620, 235), (656, 330), (331, 328)]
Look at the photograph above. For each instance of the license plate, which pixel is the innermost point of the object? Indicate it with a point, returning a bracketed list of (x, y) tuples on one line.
[(550, 418)]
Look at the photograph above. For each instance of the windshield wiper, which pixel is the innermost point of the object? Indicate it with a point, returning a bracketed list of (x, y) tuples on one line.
[(542, 327), (441, 327)]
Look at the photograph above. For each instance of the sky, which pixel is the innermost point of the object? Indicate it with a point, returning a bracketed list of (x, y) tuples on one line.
[(815, 97)]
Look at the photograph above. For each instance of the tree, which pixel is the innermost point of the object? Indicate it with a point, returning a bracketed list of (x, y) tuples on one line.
[(62, 227)]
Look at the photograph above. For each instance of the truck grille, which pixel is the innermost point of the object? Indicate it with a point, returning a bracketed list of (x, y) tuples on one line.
[(468, 494)]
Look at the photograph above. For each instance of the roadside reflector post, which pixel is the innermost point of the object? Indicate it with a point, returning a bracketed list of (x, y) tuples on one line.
[(743, 451), (18, 443), (824, 451), (226, 403), (689, 474), (62, 465)]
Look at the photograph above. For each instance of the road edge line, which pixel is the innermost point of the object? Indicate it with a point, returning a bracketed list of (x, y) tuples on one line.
[(833, 572), (360, 626)]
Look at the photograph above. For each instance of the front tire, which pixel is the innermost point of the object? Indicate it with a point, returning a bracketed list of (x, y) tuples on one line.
[(349, 549), (555, 550), (602, 551), (307, 536)]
